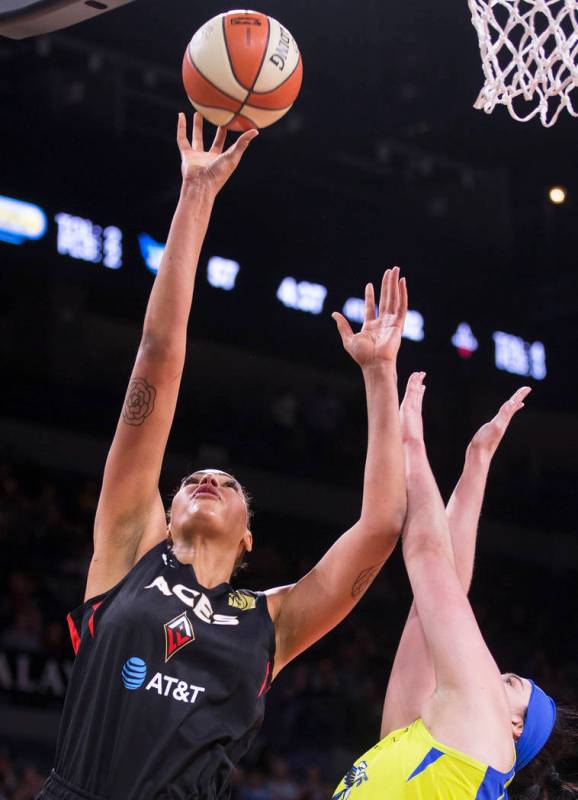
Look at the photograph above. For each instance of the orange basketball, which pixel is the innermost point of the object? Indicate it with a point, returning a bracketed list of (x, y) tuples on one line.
[(242, 70)]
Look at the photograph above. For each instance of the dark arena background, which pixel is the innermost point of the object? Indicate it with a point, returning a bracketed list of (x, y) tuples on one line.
[(382, 161)]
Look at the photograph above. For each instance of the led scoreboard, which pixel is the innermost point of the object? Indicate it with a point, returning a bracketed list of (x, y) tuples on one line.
[(86, 240)]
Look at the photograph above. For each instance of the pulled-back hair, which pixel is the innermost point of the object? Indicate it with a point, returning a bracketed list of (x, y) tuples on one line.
[(540, 779)]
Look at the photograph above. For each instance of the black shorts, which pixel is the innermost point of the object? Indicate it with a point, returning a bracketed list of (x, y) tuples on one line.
[(56, 788)]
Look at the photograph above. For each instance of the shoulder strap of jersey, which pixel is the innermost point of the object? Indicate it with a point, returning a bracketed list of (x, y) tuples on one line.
[(81, 619)]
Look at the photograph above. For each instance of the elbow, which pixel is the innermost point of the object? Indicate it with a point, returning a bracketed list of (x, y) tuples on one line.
[(393, 525), (386, 523), (397, 518), (421, 545), (381, 535), (162, 349)]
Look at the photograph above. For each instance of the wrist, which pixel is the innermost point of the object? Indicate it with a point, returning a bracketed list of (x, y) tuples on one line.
[(197, 193), (479, 454), (380, 370)]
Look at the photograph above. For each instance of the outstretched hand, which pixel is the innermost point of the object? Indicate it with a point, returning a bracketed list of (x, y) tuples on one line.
[(211, 168), (379, 339), (411, 409), (491, 434)]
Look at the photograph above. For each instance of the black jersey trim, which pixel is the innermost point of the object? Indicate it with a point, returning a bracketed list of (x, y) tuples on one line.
[(262, 601)]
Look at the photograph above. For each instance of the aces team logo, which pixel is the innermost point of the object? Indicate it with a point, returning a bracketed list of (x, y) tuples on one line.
[(178, 634)]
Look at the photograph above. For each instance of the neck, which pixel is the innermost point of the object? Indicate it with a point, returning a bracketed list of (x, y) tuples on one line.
[(213, 562)]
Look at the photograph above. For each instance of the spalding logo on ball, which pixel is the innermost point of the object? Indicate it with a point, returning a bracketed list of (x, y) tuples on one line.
[(242, 70)]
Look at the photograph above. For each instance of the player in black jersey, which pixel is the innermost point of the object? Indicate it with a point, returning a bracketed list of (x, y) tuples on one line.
[(172, 663)]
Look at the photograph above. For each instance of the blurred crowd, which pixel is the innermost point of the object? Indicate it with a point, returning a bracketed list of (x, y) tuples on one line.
[(325, 708), (20, 780)]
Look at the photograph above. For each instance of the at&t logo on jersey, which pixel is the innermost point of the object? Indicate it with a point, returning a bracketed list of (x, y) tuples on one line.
[(133, 676), (134, 673), (172, 687)]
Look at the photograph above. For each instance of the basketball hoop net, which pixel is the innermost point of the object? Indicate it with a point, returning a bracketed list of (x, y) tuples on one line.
[(529, 52)]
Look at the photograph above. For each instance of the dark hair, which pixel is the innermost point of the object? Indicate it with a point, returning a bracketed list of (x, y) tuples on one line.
[(540, 779), (241, 561)]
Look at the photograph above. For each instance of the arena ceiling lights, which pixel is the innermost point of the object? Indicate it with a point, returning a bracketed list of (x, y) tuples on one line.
[(21, 19)]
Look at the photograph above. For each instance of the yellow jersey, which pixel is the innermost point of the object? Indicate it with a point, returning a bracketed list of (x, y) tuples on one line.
[(409, 764)]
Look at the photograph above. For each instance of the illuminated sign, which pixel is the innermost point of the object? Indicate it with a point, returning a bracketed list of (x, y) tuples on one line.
[(354, 310), (151, 251), (80, 238), (464, 340), (302, 296), (20, 221), (222, 272), (413, 328), (112, 247), (515, 355)]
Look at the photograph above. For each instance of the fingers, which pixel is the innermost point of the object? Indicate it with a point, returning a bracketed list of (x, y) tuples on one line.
[(343, 326), (197, 142), (414, 391), (236, 150), (515, 403), (369, 303), (198, 132), (416, 383), (182, 141), (393, 293), (490, 435), (390, 297), (411, 409), (520, 395), (419, 392), (402, 308), (393, 296), (244, 141), (219, 140), (384, 293)]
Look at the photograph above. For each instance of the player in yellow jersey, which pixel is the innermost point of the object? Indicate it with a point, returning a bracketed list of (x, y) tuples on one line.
[(453, 728)]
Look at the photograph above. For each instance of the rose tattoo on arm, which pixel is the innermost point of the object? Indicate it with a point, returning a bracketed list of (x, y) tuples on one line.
[(139, 403)]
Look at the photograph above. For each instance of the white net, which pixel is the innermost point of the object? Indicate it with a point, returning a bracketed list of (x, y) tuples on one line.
[(529, 52)]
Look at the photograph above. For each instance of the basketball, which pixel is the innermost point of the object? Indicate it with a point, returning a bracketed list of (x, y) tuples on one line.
[(242, 70)]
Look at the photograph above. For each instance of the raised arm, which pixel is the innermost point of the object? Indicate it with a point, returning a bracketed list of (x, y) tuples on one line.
[(412, 677), (468, 685), (303, 613), (130, 517), (465, 505)]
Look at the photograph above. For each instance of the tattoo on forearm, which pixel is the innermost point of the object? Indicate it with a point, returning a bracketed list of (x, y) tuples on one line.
[(139, 403), (363, 580)]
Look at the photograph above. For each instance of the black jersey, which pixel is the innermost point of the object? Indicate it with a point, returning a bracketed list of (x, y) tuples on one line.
[(167, 689)]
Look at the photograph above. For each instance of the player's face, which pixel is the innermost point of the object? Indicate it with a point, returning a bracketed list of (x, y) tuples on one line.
[(518, 692), (211, 501)]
